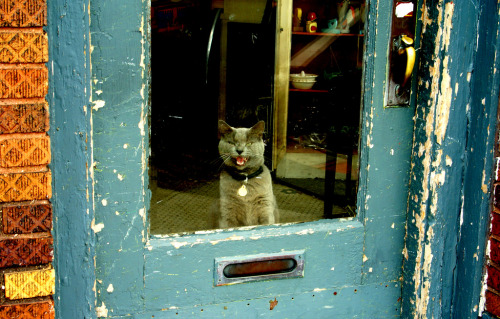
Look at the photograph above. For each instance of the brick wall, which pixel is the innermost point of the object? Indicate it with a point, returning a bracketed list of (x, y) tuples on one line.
[(493, 254), (27, 279)]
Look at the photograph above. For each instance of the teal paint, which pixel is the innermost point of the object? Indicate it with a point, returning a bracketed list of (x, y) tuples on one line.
[(136, 274), (479, 162), (332, 259), (386, 145), (120, 77), (132, 270), (452, 157), (69, 88), (342, 302)]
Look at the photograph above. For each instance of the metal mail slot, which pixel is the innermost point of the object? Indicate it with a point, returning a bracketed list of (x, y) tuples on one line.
[(239, 269)]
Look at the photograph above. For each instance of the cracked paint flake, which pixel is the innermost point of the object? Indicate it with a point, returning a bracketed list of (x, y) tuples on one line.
[(231, 238), (101, 311), (436, 123), (484, 186), (98, 104), (96, 228), (305, 232), (178, 245)]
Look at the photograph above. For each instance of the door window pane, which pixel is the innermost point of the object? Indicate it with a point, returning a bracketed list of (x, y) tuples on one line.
[(215, 60)]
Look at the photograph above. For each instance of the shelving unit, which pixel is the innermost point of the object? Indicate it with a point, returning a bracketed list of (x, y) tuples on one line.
[(322, 34), (309, 90), (329, 110)]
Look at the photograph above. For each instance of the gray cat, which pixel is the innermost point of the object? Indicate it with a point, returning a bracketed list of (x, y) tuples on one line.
[(246, 192)]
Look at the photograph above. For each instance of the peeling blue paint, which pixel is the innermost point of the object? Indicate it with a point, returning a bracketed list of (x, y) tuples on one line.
[(69, 94), (100, 57)]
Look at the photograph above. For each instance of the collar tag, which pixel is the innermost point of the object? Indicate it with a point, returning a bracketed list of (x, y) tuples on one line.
[(242, 191)]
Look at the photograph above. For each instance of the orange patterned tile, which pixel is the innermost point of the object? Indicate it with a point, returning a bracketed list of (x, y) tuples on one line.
[(23, 81), (17, 187), (23, 13), (29, 310), (25, 251), (25, 218), (21, 117), (29, 284), (23, 46), (21, 150)]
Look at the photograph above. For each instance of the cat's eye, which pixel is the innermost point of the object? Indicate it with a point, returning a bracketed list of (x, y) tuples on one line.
[(249, 143)]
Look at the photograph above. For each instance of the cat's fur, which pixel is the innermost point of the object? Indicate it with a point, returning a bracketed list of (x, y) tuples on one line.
[(242, 150)]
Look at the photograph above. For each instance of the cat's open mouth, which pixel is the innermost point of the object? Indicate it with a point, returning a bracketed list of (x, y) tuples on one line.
[(240, 160)]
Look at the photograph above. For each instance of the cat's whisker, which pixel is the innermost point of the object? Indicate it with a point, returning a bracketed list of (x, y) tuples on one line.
[(224, 157)]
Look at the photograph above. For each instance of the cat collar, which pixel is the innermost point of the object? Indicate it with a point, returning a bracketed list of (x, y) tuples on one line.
[(242, 177)]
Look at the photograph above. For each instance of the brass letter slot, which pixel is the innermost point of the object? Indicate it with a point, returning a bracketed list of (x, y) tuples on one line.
[(241, 269)]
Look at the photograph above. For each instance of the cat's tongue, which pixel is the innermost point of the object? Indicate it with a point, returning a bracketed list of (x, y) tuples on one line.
[(240, 161)]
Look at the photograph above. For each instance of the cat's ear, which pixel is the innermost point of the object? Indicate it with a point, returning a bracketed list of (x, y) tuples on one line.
[(258, 129), (224, 128)]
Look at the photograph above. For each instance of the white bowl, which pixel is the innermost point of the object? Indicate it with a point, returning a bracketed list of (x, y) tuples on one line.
[(302, 80), (302, 76), (303, 85)]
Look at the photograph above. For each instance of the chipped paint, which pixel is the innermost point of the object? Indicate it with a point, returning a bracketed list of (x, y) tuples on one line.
[(98, 105), (430, 158), (101, 311), (178, 245), (449, 161), (230, 238), (437, 180), (484, 287), (484, 185), (306, 232), (96, 228)]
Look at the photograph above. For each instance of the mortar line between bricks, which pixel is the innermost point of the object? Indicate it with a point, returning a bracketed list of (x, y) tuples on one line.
[(42, 235), (23, 29)]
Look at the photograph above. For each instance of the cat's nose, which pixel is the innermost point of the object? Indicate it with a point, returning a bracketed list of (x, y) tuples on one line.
[(239, 152)]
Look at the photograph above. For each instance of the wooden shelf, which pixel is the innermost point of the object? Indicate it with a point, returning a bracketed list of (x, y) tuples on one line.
[(309, 90), (329, 34)]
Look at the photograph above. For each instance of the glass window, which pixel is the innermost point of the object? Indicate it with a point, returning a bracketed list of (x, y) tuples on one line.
[(221, 60)]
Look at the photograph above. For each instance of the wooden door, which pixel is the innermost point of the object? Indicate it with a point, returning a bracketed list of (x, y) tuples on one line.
[(107, 265), (352, 267)]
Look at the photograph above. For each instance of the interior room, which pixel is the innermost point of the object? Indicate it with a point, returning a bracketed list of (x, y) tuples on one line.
[(222, 59)]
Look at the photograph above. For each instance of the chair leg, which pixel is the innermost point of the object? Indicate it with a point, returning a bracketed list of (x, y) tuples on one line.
[(331, 167)]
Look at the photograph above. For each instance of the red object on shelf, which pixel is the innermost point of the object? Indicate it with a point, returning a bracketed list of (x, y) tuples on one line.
[(311, 16), (169, 17)]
